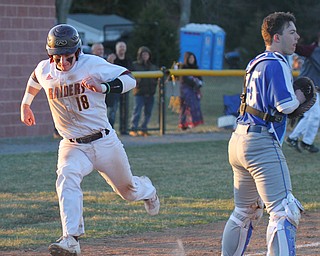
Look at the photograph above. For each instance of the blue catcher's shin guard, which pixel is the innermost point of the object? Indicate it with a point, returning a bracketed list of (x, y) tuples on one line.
[(281, 238), (238, 230)]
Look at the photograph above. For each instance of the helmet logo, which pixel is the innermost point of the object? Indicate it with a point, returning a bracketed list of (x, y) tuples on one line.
[(61, 42)]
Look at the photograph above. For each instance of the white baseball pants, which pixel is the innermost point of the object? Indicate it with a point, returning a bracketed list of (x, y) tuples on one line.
[(106, 155)]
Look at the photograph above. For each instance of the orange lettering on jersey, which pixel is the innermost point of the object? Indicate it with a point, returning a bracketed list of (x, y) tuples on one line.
[(71, 89), (78, 89), (83, 89), (65, 91), (57, 92), (50, 93), (61, 92)]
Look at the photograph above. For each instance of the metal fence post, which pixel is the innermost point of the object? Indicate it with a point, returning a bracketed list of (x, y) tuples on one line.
[(162, 103)]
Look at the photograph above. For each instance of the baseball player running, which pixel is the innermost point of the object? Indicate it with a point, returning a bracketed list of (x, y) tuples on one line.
[(75, 85), (261, 174)]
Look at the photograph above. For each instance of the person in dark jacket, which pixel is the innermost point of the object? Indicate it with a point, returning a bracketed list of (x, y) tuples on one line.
[(112, 100), (143, 93)]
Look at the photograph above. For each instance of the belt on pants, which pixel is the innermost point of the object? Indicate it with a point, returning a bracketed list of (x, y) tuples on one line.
[(244, 129), (90, 138)]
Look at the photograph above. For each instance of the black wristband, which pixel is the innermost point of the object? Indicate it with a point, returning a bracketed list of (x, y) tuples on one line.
[(115, 86)]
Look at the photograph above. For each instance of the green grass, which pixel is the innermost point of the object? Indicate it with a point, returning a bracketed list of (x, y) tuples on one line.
[(211, 104), (194, 181)]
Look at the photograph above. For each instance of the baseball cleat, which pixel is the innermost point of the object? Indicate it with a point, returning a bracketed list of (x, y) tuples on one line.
[(65, 246), (293, 143), (152, 205), (311, 148)]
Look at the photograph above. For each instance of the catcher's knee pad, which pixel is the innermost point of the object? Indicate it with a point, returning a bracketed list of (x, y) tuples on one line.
[(245, 219), (283, 223)]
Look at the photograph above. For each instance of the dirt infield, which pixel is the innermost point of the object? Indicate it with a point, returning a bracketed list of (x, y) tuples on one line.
[(201, 240)]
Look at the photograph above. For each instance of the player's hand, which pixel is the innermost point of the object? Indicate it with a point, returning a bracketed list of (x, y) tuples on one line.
[(300, 96), (27, 116), (111, 57), (92, 84)]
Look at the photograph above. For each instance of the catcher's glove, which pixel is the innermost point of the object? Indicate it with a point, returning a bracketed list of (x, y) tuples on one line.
[(306, 93)]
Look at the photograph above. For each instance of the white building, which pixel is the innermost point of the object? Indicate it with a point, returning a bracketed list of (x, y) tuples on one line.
[(99, 28)]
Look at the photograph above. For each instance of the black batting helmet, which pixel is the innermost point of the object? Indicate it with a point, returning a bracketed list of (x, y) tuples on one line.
[(63, 39)]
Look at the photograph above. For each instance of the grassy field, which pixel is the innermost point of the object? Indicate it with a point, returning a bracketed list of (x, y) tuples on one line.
[(194, 181), (211, 103)]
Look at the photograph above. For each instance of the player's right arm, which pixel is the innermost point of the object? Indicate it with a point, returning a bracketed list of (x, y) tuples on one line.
[(33, 88)]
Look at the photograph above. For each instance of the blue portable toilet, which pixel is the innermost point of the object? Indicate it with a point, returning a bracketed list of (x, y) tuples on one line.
[(190, 41), (218, 49), (206, 50), (206, 41)]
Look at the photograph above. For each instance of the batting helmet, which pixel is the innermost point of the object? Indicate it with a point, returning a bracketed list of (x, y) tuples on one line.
[(63, 39)]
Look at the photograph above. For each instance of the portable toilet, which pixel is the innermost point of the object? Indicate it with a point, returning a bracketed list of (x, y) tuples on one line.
[(206, 41), (218, 50)]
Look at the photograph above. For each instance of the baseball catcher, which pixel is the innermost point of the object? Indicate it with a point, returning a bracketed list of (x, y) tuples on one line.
[(305, 91), (261, 175)]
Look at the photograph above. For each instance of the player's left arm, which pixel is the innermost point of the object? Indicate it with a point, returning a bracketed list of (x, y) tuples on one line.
[(123, 83)]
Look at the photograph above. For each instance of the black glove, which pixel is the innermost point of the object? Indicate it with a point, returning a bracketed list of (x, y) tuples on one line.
[(303, 87)]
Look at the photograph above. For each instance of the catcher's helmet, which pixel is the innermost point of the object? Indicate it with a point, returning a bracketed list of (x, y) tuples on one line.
[(63, 39)]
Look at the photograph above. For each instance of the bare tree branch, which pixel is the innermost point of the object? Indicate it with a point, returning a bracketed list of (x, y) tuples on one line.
[(62, 10)]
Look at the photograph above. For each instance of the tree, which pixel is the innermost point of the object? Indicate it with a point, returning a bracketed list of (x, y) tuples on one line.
[(185, 11), (241, 20), (62, 10), (156, 31)]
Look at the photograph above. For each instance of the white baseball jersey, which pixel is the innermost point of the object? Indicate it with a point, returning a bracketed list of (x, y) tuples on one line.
[(76, 110)]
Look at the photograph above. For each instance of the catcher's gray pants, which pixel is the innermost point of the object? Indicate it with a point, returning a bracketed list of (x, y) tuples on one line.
[(260, 171)]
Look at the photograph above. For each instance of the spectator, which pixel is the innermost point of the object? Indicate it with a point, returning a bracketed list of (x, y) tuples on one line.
[(111, 57), (143, 93), (112, 100), (308, 125), (98, 49), (233, 59), (297, 62), (190, 95)]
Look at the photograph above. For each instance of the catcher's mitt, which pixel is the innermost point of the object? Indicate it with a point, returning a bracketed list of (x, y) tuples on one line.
[(305, 89)]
